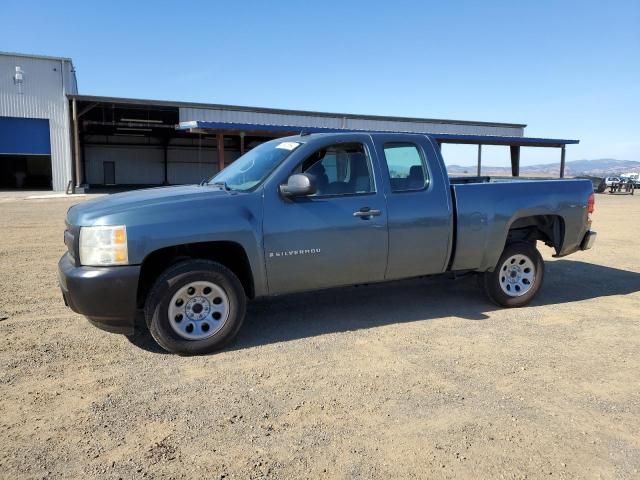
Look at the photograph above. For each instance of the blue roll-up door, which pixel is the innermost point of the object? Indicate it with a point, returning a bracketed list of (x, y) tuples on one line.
[(24, 136)]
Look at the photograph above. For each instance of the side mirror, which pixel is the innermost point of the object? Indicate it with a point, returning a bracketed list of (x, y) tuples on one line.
[(298, 185)]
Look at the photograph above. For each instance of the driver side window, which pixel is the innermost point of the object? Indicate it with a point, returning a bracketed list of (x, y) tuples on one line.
[(342, 169)]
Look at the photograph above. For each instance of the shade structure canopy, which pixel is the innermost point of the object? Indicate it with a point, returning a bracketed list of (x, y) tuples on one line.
[(513, 142)]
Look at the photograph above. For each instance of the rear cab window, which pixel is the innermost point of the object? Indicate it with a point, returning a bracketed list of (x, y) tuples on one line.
[(406, 166)]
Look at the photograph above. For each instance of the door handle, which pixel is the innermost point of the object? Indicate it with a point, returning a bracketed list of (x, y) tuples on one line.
[(366, 212)]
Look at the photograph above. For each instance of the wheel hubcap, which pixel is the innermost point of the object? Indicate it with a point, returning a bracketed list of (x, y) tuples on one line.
[(198, 310), (517, 275)]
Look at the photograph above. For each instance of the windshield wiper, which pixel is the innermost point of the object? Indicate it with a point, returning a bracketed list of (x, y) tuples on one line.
[(221, 184)]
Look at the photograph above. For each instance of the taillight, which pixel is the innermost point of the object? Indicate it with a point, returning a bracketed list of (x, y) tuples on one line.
[(591, 206)]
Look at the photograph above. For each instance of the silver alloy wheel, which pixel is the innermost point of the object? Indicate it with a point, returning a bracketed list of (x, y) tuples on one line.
[(198, 310), (517, 275)]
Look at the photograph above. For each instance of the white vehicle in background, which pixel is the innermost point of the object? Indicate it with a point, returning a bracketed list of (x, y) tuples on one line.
[(611, 180), (635, 177)]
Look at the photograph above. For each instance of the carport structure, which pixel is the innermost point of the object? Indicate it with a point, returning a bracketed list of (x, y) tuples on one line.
[(133, 143), (130, 143), (514, 144), (274, 131)]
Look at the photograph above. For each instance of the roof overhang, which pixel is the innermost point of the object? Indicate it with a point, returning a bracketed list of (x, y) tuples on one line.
[(502, 140), (205, 127), (243, 108)]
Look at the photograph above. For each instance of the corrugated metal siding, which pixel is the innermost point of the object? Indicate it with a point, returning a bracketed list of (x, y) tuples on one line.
[(46, 81), (134, 165), (237, 116), (144, 164)]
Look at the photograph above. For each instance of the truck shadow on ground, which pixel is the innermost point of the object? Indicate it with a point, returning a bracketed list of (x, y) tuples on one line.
[(304, 315)]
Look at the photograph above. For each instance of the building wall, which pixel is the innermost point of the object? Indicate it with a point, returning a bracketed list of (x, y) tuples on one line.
[(237, 116), (144, 164), (134, 165), (46, 81), (191, 166)]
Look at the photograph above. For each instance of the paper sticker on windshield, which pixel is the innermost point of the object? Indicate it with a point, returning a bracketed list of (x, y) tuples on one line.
[(287, 145)]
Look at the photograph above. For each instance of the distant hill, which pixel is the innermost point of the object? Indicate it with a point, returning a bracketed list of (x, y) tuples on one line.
[(597, 168)]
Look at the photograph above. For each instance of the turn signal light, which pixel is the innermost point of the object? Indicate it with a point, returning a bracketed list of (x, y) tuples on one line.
[(119, 236), (120, 256)]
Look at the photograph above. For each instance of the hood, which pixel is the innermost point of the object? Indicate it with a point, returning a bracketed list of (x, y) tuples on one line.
[(121, 206)]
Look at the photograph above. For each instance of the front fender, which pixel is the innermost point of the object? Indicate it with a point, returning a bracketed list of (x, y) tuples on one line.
[(237, 219)]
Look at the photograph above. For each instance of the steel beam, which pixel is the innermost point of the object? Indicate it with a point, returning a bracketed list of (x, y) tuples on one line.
[(220, 148), (479, 159), (562, 158), (86, 109), (166, 163), (76, 145), (129, 124), (515, 160)]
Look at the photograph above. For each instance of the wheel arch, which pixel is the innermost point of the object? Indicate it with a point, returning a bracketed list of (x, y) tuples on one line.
[(549, 229), (527, 227), (230, 254)]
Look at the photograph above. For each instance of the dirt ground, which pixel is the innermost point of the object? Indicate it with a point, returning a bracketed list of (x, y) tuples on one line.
[(417, 379)]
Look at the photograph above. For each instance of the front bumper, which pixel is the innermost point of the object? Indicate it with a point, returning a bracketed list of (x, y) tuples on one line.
[(107, 296), (588, 240)]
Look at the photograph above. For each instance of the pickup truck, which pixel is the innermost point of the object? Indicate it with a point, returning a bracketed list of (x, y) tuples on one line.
[(309, 212)]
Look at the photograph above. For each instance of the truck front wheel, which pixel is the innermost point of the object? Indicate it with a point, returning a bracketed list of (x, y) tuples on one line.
[(195, 307), (517, 277)]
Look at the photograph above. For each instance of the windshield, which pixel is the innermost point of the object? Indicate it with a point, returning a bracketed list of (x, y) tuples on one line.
[(254, 166)]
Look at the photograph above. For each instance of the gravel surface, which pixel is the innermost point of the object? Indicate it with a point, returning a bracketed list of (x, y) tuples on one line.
[(415, 379)]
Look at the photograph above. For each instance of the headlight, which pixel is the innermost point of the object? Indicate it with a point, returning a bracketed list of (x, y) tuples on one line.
[(103, 246)]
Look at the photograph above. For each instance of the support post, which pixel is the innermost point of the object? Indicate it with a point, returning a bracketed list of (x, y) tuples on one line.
[(241, 143), (515, 160), (562, 155), (479, 159), (76, 145), (83, 155), (166, 162), (220, 148)]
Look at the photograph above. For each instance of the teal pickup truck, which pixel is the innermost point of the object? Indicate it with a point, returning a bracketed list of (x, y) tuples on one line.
[(303, 213)]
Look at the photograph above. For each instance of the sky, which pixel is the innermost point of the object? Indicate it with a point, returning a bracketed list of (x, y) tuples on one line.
[(567, 69)]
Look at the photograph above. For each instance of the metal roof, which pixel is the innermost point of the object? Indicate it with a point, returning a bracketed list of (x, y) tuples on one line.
[(440, 137), (170, 103), (30, 55), (502, 140)]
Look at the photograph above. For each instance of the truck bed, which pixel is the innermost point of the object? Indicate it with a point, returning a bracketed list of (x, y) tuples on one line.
[(487, 209)]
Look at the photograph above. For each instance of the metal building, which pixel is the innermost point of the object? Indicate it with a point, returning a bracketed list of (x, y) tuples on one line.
[(35, 141), (129, 142), (52, 137)]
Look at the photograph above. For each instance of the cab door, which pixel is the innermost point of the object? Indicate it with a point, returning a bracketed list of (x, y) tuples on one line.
[(419, 210), (337, 236)]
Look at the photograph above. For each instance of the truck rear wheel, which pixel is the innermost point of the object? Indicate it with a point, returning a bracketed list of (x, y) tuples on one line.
[(195, 307), (517, 277)]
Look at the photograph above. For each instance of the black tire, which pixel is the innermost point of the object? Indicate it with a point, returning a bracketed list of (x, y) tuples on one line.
[(171, 281), (491, 281)]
